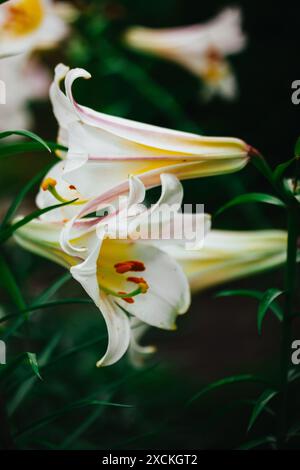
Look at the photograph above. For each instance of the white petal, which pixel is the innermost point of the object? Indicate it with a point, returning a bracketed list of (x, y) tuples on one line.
[(230, 255), (117, 322), (62, 108), (137, 192), (143, 140), (168, 294), (42, 238), (119, 333), (45, 198), (138, 353), (160, 213)]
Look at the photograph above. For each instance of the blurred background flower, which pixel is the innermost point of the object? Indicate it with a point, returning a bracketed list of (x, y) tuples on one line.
[(28, 26), (202, 49)]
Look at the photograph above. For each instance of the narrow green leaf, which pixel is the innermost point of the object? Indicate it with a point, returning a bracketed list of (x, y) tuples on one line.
[(29, 134), (10, 284), (50, 304), (265, 302), (27, 358), (34, 364), (280, 170), (262, 166), (28, 382), (35, 426), (255, 294), (257, 443), (66, 354), (82, 428), (226, 381), (220, 411), (15, 148), (249, 198), (293, 375), (260, 404), (34, 215), (50, 291), (19, 198)]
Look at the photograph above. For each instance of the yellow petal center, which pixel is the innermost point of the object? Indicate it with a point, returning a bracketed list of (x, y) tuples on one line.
[(24, 17), (118, 278), (215, 68)]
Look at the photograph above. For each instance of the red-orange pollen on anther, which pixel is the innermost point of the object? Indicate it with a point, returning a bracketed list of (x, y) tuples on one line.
[(126, 266), (143, 285), (72, 186), (129, 300)]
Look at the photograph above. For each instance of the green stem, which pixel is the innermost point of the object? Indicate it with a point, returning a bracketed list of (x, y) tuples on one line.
[(290, 287)]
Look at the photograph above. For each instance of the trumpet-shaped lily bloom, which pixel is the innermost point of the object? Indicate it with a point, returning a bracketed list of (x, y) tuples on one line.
[(201, 48), (110, 148), (125, 275), (225, 256), (228, 255), (26, 25)]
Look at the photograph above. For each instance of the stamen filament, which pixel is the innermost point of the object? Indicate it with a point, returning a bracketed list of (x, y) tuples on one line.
[(49, 185), (62, 199), (121, 295)]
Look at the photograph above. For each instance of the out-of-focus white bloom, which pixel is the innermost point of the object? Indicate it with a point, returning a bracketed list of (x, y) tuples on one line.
[(120, 274), (110, 148), (25, 79), (228, 255), (27, 25), (201, 48)]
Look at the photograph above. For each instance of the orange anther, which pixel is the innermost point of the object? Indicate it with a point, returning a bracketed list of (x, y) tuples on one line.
[(143, 285), (126, 266), (48, 183)]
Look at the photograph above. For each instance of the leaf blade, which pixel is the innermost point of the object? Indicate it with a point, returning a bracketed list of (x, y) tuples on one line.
[(34, 215), (19, 198), (265, 302), (225, 381), (32, 358), (24, 133), (255, 294), (259, 406), (250, 198)]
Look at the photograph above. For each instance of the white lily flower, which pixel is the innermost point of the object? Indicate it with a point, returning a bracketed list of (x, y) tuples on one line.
[(27, 25), (110, 148), (200, 48), (228, 255), (14, 113), (110, 268)]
